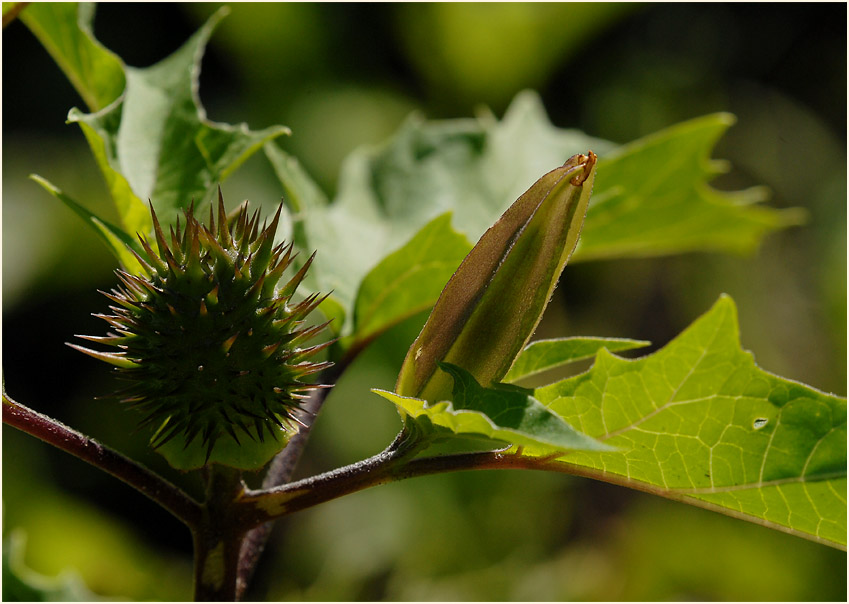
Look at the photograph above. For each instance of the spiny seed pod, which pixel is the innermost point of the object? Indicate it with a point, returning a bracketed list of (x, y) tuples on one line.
[(211, 349)]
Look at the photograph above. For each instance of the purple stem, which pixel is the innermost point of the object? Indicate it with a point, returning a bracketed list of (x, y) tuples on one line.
[(89, 450)]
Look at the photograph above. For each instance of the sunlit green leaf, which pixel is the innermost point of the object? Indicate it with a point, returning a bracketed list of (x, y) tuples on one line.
[(543, 355), (699, 422), (652, 198), (154, 141), (502, 412)]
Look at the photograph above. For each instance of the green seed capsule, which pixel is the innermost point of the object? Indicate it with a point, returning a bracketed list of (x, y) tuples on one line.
[(213, 353)]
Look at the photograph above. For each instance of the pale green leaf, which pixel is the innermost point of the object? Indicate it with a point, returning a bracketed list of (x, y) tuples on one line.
[(302, 194), (64, 29), (156, 143), (388, 193), (650, 197), (699, 422), (543, 355), (153, 142), (503, 412), (408, 280)]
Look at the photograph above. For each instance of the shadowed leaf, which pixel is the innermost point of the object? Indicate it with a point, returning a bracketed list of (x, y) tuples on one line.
[(502, 412)]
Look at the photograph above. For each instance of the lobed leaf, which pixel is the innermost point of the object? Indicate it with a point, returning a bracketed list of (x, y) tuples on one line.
[(651, 197), (153, 142), (673, 210), (156, 143), (501, 412), (698, 421)]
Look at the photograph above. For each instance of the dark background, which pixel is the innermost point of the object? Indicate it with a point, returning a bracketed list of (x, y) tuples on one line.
[(341, 75)]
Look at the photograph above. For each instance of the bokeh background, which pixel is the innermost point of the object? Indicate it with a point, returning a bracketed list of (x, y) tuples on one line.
[(343, 75)]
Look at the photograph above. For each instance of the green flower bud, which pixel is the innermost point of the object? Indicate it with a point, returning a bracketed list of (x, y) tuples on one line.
[(213, 352), (492, 304)]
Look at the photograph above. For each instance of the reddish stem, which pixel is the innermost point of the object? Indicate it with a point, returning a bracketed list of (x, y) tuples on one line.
[(89, 450)]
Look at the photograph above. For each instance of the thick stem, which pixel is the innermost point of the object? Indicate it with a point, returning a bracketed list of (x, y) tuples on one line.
[(218, 539), (89, 450), (254, 512)]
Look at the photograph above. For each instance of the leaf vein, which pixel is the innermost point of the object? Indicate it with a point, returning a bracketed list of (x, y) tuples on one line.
[(670, 400), (761, 484)]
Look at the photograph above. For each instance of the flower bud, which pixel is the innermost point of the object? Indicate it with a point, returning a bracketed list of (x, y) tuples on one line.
[(492, 304)]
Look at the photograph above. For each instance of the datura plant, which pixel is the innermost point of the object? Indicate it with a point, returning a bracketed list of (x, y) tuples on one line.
[(211, 347), (221, 355)]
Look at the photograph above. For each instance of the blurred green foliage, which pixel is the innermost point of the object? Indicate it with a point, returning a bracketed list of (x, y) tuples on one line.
[(344, 75)]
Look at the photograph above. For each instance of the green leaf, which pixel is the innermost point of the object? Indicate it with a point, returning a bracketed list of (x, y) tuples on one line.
[(408, 280), (543, 355), (493, 302), (153, 142), (673, 210), (156, 143), (116, 240), (502, 412), (652, 194), (64, 29), (300, 191), (387, 194), (698, 421)]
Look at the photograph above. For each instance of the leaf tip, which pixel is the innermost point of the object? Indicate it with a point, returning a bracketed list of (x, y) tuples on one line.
[(726, 118), (726, 301)]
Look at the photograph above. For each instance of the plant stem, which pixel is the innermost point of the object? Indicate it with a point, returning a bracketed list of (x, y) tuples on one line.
[(89, 450), (390, 466), (218, 539), (280, 472), (381, 469)]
